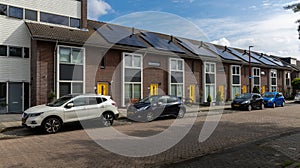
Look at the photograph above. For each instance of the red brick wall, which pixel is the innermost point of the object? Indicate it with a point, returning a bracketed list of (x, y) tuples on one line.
[(42, 71)]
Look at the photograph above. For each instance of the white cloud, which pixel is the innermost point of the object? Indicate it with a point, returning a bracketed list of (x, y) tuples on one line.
[(182, 1), (276, 34), (223, 41), (97, 8)]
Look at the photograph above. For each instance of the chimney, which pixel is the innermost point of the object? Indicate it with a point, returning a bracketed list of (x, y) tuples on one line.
[(83, 14)]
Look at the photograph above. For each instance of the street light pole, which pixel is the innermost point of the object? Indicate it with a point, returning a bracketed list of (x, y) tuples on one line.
[(250, 75)]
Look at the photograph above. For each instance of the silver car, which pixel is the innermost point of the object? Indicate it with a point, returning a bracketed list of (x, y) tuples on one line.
[(297, 97), (71, 108)]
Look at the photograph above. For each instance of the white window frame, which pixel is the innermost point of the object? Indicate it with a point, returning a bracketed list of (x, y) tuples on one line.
[(255, 75), (231, 79), (204, 80), (58, 81), (177, 70), (287, 77), (273, 74), (131, 67)]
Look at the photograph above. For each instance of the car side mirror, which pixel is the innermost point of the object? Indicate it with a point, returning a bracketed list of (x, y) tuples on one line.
[(70, 105)]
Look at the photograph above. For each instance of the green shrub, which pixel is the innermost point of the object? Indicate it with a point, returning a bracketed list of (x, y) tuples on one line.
[(208, 99), (255, 89)]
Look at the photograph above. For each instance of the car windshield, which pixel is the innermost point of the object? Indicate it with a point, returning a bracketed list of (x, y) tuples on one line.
[(60, 101), (269, 95), (149, 99), (244, 96)]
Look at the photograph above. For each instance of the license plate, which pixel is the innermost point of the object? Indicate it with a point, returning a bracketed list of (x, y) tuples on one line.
[(236, 105)]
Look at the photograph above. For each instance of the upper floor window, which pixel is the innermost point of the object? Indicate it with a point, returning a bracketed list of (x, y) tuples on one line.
[(3, 9), (16, 12), (15, 51), (74, 22), (30, 14), (55, 19)]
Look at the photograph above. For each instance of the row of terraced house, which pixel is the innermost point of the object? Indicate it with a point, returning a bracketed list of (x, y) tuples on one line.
[(48, 48)]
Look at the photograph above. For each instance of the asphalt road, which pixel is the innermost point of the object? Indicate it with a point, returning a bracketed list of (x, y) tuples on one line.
[(76, 147)]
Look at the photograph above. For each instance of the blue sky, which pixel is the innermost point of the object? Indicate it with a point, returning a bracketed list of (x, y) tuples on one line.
[(262, 23)]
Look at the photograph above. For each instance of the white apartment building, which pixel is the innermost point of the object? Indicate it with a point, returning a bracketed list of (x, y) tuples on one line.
[(15, 43)]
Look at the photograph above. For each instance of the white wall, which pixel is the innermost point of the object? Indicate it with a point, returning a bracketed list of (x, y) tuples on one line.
[(62, 7), (14, 69), (14, 32)]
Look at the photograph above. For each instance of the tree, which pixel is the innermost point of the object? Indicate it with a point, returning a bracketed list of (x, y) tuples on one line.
[(296, 83), (296, 8)]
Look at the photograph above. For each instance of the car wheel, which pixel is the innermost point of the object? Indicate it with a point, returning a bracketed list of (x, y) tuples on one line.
[(282, 104), (262, 106), (181, 113), (52, 125), (107, 119), (150, 116), (249, 107), (274, 105)]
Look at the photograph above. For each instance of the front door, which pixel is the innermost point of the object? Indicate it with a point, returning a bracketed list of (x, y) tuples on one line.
[(192, 93), (153, 89), (15, 104), (102, 88)]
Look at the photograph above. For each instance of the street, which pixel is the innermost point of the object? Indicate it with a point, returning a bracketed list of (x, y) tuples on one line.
[(73, 147)]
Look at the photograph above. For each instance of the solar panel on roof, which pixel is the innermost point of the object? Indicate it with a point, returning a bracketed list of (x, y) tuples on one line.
[(262, 59), (195, 49), (275, 61), (120, 35), (245, 57), (159, 43), (222, 53)]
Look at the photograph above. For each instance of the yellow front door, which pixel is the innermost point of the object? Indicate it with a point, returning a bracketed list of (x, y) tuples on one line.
[(263, 89), (192, 93), (244, 89), (102, 88), (153, 89), (221, 90)]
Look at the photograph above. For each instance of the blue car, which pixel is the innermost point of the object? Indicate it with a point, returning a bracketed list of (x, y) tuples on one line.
[(273, 99)]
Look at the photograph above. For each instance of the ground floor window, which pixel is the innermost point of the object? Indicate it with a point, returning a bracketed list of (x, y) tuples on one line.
[(210, 91), (176, 77), (273, 80), (177, 89), (236, 90), (3, 98), (132, 77), (71, 64)]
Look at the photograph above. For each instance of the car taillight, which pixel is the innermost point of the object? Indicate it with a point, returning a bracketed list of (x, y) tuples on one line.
[(114, 104)]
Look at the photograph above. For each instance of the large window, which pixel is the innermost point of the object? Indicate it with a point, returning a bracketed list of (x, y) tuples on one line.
[(235, 80), (55, 19), (256, 77), (3, 98), (273, 80), (210, 80), (75, 22), (16, 12), (3, 50), (15, 51), (176, 77), (71, 70), (132, 77)]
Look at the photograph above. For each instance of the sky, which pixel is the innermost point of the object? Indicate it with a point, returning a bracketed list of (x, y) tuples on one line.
[(263, 24)]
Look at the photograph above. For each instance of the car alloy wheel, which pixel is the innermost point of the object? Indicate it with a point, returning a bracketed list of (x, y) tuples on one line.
[(249, 107), (282, 105), (52, 125), (107, 119), (274, 105), (181, 113), (150, 116)]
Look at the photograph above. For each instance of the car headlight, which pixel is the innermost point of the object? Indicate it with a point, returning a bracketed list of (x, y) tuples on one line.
[(269, 100), (246, 102), (143, 108), (35, 114)]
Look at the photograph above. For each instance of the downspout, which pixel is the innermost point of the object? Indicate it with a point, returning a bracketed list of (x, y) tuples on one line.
[(54, 70)]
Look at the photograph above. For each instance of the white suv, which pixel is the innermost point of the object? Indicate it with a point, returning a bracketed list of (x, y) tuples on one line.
[(71, 108)]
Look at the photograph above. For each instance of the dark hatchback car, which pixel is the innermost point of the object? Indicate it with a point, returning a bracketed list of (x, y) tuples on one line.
[(153, 107), (248, 101)]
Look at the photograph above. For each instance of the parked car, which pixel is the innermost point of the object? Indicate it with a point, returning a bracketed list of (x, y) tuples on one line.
[(153, 107), (71, 108), (273, 99), (248, 101), (297, 97)]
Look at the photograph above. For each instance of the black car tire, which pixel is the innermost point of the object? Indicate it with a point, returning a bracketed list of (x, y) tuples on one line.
[(107, 119), (282, 105), (51, 125), (181, 113), (249, 107)]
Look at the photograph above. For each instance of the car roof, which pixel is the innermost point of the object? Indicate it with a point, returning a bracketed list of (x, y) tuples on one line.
[(88, 95)]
